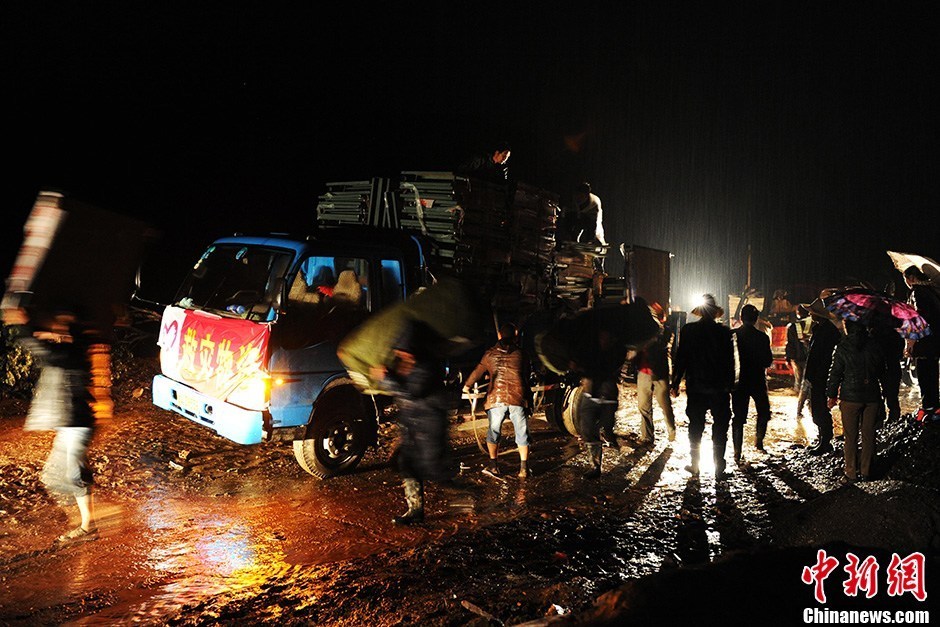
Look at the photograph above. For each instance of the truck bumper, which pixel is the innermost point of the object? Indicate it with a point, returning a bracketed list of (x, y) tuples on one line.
[(243, 426)]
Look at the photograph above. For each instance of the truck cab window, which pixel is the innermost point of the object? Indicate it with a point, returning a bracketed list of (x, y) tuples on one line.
[(235, 280), (321, 308)]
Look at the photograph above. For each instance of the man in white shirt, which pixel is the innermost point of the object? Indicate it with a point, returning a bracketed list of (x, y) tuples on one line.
[(590, 215)]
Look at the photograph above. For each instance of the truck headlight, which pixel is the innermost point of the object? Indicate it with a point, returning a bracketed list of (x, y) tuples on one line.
[(253, 392)]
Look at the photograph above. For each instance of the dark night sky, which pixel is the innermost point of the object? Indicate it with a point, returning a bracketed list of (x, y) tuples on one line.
[(806, 130)]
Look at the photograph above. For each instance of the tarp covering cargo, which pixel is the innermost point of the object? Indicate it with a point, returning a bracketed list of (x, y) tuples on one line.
[(647, 274), (570, 339), (448, 307)]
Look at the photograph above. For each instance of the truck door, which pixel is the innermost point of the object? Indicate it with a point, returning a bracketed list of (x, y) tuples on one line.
[(326, 298)]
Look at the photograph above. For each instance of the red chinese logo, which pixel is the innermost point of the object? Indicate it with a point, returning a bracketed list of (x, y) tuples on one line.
[(817, 574), (903, 575), (861, 576), (907, 575)]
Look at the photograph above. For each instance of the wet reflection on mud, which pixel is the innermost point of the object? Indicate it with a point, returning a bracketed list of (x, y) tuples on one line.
[(232, 548)]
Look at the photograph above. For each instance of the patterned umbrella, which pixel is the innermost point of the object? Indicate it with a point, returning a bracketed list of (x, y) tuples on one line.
[(870, 307)]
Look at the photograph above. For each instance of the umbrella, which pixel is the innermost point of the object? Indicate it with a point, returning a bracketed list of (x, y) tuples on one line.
[(870, 307), (903, 261)]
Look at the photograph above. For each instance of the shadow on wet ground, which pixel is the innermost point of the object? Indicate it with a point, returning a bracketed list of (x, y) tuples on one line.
[(198, 531)]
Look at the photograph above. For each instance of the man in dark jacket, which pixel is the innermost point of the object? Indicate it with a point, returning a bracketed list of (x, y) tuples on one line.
[(755, 357), (600, 396), (416, 377), (491, 166), (858, 367), (892, 345), (705, 358), (821, 345)]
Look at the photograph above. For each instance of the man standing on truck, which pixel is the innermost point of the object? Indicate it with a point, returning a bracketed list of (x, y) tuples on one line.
[(590, 222), (508, 393), (705, 358), (491, 166)]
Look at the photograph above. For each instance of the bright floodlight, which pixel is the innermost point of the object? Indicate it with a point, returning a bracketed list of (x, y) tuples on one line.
[(698, 299)]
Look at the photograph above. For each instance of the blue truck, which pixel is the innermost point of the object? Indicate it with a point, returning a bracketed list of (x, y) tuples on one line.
[(248, 345)]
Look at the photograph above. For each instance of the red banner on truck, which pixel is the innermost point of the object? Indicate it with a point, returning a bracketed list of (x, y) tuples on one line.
[(211, 354)]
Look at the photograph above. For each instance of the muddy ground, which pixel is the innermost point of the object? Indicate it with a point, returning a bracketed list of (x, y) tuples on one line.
[(197, 530)]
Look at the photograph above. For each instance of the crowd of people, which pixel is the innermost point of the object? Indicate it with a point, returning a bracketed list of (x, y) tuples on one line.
[(834, 362)]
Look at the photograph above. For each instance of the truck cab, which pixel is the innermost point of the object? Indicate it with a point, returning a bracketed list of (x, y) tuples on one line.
[(248, 347)]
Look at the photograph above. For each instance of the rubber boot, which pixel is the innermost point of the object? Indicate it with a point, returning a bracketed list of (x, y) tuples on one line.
[(759, 436), (524, 471), (494, 466), (596, 451), (414, 497), (737, 441), (719, 459), (693, 467)]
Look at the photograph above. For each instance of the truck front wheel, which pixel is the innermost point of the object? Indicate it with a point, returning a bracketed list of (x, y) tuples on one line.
[(572, 409), (334, 444), (563, 410)]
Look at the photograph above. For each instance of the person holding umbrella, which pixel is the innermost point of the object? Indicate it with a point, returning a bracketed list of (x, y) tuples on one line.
[(911, 321), (856, 380)]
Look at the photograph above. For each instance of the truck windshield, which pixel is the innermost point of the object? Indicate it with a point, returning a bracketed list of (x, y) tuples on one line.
[(236, 281)]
